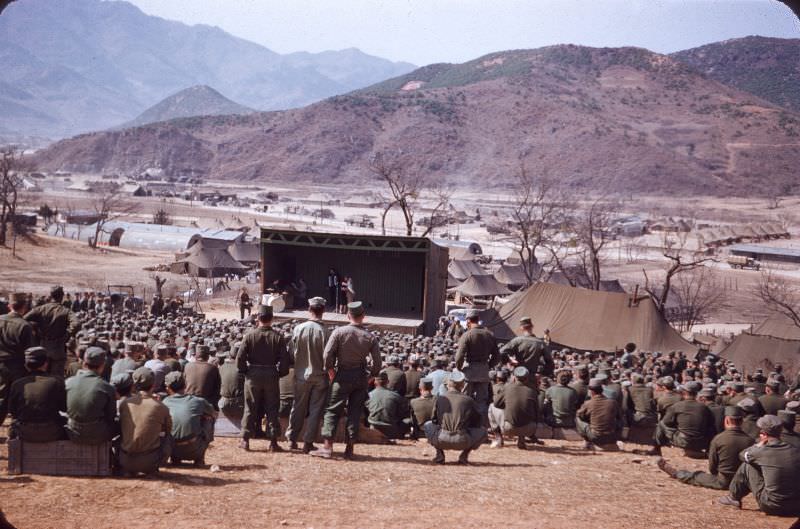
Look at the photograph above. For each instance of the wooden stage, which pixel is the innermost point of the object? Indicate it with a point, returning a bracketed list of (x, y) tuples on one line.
[(385, 323)]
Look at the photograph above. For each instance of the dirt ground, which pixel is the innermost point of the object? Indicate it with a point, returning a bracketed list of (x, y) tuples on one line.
[(555, 486)]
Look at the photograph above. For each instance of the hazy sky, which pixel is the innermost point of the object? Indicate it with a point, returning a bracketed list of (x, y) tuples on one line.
[(426, 31)]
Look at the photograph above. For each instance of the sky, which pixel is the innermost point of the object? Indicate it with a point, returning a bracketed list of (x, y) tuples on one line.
[(428, 31)]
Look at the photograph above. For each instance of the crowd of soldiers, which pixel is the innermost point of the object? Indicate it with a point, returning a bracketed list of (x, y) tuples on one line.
[(153, 386)]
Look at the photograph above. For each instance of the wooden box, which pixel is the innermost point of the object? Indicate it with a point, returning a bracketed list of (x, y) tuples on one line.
[(59, 458)]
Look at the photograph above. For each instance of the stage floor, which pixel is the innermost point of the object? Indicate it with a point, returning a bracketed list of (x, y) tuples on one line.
[(386, 323)]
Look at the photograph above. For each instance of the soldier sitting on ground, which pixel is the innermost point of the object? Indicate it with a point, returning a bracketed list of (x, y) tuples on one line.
[(388, 411), (769, 471), (598, 420), (723, 455), (514, 413), (192, 421)]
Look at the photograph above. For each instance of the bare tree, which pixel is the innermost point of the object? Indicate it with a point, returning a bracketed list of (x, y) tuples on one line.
[(535, 216), (591, 226), (680, 259), (780, 296), (109, 206), (159, 284), (404, 183), (12, 165), (441, 196), (700, 293)]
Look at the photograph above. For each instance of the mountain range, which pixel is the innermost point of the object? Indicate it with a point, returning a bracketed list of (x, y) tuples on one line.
[(622, 120), (81, 65)]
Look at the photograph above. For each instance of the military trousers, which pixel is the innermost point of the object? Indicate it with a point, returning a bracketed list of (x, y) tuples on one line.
[(748, 479), (348, 391), (467, 439), (310, 397), (9, 372), (584, 429), (194, 449), (146, 462), (262, 397), (479, 391), (667, 436), (701, 479)]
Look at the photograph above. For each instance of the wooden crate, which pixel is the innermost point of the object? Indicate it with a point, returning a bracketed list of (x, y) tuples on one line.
[(59, 458)]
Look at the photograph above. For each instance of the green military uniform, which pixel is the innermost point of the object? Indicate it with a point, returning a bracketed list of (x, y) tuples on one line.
[(347, 351), (772, 403), (36, 403), (529, 352), (477, 351), (310, 379), (263, 358), (723, 460), (599, 420), (519, 405), (388, 412), (413, 377), (91, 407), (286, 389), (640, 406), (54, 326), (770, 472), (686, 424), (561, 405), (15, 336), (456, 423), (421, 411), (665, 401), (231, 401), (192, 426)]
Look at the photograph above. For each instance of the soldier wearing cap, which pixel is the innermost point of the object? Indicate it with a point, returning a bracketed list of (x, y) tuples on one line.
[(36, 402), (16, 336), (203, 378), (581, 383), (529, 351), (772, 401), (310, 380), (639, 405), (387, 411), (666, 395), (53, 325), (91, 401), (723, 455), (477, 352), (145, 426), (422, 407), (192, 421), (599, 420), (395, 376), (561, 402), (770, 470), (263, 358), (751, 409), (131, 359), (788, 435), (456, 423), (707, 396), (687, 424), (346, 358), (515, 412)]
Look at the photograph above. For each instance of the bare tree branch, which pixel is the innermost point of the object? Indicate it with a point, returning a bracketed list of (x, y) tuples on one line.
[(780, 296), (108, 207), (405, 184)]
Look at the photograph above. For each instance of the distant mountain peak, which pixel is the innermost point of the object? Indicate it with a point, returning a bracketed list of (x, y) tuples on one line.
[(197, 100)]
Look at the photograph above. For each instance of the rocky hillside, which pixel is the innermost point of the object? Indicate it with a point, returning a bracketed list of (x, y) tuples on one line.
[(766, 67), (198, 100), (79, 65), (612, 119)]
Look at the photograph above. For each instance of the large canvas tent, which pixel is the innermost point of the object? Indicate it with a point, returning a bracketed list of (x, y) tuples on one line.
[(247, 253), (511, 275), (481, 286), (207, 258), (461, 269), (749, 351), (776, 340), (588, 319)]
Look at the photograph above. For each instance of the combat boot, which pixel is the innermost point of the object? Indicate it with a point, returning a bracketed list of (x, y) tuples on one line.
[(439, 459), (348, 451)]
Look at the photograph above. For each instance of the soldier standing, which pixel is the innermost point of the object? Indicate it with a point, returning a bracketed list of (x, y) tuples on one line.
[(16, 336), (477, 350), (263, 358), (529, 351), (311, 381), (345, 356), (54, 324)]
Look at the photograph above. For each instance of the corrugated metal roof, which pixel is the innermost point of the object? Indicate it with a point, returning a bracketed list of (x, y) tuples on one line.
[(766, 250)]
